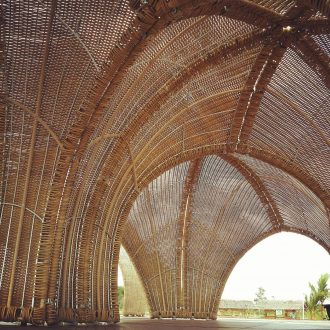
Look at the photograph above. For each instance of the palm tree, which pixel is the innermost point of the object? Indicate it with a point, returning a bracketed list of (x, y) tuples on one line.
[(317, 295), (323, 290)]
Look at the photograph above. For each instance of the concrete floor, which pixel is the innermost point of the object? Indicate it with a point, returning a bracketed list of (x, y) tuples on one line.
[(232, 324), (229, 324)]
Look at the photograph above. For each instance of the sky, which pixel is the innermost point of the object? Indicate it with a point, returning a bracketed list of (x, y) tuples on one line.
[(282, 264)]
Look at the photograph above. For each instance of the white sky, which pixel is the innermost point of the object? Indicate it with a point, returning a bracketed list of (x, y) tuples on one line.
[(282, 264)]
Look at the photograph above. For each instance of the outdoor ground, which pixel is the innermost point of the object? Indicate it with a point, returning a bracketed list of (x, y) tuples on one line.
[(228, 324)]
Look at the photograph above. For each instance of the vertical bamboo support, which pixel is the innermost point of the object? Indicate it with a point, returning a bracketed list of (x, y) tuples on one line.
[(183, 238)]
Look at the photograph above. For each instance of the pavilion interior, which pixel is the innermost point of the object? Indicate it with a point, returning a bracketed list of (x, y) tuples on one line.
[(184, 131)]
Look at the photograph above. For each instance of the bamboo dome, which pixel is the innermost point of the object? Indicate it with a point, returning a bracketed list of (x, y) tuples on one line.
[(187, 131)]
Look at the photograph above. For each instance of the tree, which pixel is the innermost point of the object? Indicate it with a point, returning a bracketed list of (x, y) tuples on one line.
[(260, 296), (322, 287), (317, 295)]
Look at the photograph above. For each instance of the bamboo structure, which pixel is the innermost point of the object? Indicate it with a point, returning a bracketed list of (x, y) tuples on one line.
[(187, 131)]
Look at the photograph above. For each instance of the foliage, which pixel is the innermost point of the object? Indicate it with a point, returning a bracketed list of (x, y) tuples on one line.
[(121, 297), (260, 296), (317, 295)]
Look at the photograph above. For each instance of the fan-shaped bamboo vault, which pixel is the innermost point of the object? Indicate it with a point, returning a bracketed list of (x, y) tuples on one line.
[(186, 130)]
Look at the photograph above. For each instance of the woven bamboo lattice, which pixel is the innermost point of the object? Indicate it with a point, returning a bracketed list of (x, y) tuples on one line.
[(185, 130)]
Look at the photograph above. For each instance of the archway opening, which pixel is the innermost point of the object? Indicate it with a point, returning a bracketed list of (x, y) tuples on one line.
[(272, 279), (132, 298)]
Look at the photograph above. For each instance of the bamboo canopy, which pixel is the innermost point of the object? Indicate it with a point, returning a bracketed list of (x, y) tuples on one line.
[(185, 130)]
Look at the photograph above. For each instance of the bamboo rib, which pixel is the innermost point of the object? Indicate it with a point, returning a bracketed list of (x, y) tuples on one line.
[(265, 67), (283, 181), (250, 99), (259, 188), (76, 133), (32, 145), (286, 165), (182, 234)]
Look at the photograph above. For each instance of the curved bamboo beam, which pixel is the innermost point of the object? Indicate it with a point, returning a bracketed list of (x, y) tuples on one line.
[(37, 118), (75, 145), (278, 161), (284, 181), (261, 75), (250, 99), (260, 189)]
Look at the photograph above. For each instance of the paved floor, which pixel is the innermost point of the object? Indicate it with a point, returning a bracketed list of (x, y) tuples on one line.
[(229, 324), (232, 324)]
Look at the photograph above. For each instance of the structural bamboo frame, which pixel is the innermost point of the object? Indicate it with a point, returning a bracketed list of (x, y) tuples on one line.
[(114, 110)]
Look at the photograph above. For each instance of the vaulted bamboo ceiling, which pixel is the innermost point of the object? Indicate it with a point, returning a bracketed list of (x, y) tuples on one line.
[(114, 112)]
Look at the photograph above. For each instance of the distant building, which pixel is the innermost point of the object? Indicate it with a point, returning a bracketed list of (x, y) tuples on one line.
[(268, 309)]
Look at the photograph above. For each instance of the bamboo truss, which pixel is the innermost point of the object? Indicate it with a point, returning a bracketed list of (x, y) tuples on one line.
[(185, 130)]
